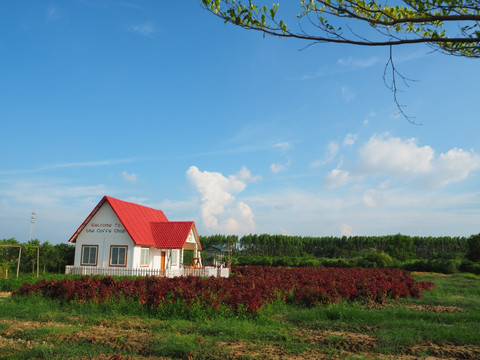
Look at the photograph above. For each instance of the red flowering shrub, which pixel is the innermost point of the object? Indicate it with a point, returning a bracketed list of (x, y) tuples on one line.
[(247, 290)]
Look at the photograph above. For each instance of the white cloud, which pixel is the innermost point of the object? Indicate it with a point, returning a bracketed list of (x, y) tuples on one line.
[(49, 192), (356, 63), (52, 13), (337, 178), (345, 65), (283, 146), (139, 200), (220, 211), (276, 168), (401, 58), (383, 154), (177, 206), (350, 139), (371, 114), (317, 74), (346, 230), (61, 207), (245, 175), (330, 153), (107, 162), (145, 29), (392, 210), (347, 94), (132, 178), (407, 161), (453, 166), (370, 198)]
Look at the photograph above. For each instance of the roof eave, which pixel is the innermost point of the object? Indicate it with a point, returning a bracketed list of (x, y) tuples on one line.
[(73, 239)]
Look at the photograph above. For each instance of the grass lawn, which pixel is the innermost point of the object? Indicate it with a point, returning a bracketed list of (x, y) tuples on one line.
[(443, 324)]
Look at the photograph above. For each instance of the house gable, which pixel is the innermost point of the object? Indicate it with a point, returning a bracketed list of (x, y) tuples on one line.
[(133, 218), (175, 234), (103, 223), (100, 232)]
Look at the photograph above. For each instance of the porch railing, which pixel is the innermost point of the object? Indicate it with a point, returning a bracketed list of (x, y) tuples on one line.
[(91, 270)]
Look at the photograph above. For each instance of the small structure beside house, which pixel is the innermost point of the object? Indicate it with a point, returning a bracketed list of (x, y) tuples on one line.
[(123, 238), (216, 255)]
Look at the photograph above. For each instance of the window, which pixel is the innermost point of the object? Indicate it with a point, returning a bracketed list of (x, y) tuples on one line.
[(118, 255), (145, 257), (174, 256), (89, 255)]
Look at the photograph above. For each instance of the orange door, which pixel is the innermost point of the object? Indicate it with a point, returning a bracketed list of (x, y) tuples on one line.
[(162, 262)]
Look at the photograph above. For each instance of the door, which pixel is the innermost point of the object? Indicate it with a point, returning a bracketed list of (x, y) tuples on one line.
[(162, 261)]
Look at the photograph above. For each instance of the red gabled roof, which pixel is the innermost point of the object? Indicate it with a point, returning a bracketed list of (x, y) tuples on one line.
[(173, 234), (146, 226), (136, 219)]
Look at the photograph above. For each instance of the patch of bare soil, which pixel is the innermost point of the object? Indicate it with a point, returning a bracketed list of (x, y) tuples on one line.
[(448, 351), (7, 345), (126, 335), (247, 350), (436, 308), (418, 307), (16, 326), (10, 340), (341, 340), (351, 343), (343, 344), (128, 324), (5, 294), (114, 337), (122, 357), (239, 349)]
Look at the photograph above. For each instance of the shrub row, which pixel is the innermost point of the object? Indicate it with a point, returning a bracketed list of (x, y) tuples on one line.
[(247, 291), (369, 259)]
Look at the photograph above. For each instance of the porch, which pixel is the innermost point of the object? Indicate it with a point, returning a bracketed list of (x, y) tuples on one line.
[(206, 271)]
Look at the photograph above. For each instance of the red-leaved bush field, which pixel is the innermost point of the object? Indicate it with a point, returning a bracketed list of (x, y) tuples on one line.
[(247, 290)]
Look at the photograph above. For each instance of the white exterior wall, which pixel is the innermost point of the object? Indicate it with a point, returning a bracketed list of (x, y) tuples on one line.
[(104, 230), (191, 239), (156, 258), (177, 264)]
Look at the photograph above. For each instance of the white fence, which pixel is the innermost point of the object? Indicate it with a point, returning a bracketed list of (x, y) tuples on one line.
[(91, 270)]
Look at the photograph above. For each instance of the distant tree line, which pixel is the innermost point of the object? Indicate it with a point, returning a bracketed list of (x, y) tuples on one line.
[(52, 258), (441, 254), (401, 247)]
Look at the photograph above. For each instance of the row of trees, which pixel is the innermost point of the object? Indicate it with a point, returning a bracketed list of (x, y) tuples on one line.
[(52, 258), (437, 254), (280, 249), (398, 246)]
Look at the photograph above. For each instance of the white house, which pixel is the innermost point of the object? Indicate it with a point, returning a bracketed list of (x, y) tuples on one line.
[(123, 238)]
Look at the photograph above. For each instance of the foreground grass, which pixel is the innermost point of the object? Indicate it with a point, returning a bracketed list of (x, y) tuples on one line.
[(445, 323)]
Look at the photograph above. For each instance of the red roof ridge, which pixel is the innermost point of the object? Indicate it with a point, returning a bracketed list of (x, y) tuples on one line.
[(173, 234), (135, 219), (146, 226)]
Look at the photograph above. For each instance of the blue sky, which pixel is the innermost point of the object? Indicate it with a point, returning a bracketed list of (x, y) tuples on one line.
[(162, 104)]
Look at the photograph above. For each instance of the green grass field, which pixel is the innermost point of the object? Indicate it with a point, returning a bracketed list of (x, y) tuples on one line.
[(444, 324)]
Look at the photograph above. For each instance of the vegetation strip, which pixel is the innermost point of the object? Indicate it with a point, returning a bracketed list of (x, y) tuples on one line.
[(248, 291), (42, 328)]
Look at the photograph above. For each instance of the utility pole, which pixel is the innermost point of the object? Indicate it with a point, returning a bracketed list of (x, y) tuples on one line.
[(34, 216)]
